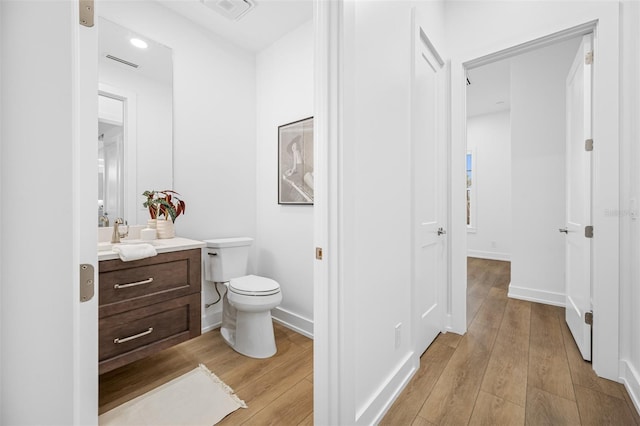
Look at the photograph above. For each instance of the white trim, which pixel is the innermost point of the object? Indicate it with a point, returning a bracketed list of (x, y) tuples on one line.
[(210, 321), (84, 115), (536, 295), (288, 319), (534, 44), (631, 380), (489, 255), (381, 400), (334, 325), (293, 321), (458, 203)]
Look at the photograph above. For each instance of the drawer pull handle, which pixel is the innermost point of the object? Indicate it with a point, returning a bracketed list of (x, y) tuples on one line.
[(147, 281), (135, 336)]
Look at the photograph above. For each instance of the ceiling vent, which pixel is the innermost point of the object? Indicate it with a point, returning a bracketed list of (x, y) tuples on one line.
[(122, 61), (232, 9)]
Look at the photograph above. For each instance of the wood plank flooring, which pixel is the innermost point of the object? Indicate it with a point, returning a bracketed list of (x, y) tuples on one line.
[(268, 386), (517, 364)]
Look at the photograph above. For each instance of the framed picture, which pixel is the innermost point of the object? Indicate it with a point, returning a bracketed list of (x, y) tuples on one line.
[(295, 162)]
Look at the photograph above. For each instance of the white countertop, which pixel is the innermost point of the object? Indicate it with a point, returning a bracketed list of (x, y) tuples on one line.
[(161, 246)]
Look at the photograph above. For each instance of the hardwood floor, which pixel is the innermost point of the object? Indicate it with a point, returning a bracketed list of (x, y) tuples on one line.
[(517, 364), (267, 386)]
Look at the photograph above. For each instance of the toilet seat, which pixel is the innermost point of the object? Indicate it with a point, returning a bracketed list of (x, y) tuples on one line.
[(252, 285)]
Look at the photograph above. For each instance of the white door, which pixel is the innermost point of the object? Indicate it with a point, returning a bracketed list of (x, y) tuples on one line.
[(578, 209), (429, 202), (85, 163)]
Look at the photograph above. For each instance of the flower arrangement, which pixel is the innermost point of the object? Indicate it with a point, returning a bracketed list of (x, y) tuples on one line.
[(165, 203)]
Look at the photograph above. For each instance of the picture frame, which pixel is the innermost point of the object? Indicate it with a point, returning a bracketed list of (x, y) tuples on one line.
[(295, 162)]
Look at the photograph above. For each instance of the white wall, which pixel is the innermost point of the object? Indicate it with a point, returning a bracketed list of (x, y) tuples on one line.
[(538, 172), (489, 138), (375, 209), (628, 212), (37, 294), (214, 150), (284, 243)]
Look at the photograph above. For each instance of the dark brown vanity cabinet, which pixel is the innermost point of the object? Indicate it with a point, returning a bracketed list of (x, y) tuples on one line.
[(147, 305)]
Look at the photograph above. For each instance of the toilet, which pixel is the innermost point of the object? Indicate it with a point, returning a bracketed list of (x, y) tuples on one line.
[(246, 306)]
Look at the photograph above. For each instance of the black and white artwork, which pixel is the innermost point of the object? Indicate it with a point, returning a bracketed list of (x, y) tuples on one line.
[(295, 162)]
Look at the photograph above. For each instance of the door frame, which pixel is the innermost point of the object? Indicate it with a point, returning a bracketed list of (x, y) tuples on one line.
[(333, 379), (606, 189), (84, 116)]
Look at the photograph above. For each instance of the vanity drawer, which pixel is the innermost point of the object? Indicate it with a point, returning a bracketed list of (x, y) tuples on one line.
[(131, 335), (130, 285)]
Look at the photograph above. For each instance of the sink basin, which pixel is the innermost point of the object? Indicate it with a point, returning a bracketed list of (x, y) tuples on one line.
[(105, 246)]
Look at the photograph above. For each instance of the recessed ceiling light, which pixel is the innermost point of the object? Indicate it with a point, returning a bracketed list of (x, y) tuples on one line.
[(140, 44)]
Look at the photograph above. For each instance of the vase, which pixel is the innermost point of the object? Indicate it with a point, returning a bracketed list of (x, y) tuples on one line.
[(151, 223), (165, 229)]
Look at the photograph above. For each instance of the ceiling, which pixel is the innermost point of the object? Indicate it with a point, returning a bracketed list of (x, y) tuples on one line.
[(258, 29), (489, 90), (153, 62)]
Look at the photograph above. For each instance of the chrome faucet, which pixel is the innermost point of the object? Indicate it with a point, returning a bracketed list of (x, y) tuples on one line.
[(104, 220), (115, 238)]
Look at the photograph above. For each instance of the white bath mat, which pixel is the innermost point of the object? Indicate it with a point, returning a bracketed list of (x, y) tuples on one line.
[(195, 398)]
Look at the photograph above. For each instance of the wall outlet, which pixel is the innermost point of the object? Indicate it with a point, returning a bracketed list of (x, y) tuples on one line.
[(398, 335)]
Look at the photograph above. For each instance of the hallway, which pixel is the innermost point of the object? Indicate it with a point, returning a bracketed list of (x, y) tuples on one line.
[(517, 364)]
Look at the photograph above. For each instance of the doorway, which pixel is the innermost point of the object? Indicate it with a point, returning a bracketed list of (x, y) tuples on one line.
[(516, 136), (604, 124)]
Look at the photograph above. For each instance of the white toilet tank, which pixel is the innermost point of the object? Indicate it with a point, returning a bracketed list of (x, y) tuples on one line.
[(226, 258)]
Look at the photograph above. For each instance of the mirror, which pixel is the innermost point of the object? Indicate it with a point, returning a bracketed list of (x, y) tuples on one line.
[(135, 122)]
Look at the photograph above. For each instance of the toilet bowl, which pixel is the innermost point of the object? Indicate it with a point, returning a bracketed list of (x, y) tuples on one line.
[(246, 309)]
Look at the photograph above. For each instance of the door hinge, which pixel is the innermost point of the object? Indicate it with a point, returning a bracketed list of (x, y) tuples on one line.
[(588, 58), (588, 145), (86, 13), (319, 253), (588, 317), (588, 231), (86, 282)]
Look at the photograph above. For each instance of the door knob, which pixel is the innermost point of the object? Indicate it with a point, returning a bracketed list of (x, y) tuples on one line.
[(565, 230), (441, 231)]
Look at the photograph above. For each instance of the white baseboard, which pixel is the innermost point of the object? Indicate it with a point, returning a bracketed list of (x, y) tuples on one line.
[(293, 321), (535, 295), (489, 255), (211, 321), (631, 380), (290, 320), (377, 406)]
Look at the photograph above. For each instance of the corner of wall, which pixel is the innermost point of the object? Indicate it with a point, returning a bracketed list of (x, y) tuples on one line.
[(293, 321), (631, 380), (211, 317), (532, 293), (373, 411)]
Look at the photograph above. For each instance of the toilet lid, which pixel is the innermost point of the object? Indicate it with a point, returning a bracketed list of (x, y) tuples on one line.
[(252, 285)]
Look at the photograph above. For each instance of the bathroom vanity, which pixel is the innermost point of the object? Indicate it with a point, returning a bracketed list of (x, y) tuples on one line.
[(149, 304)]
